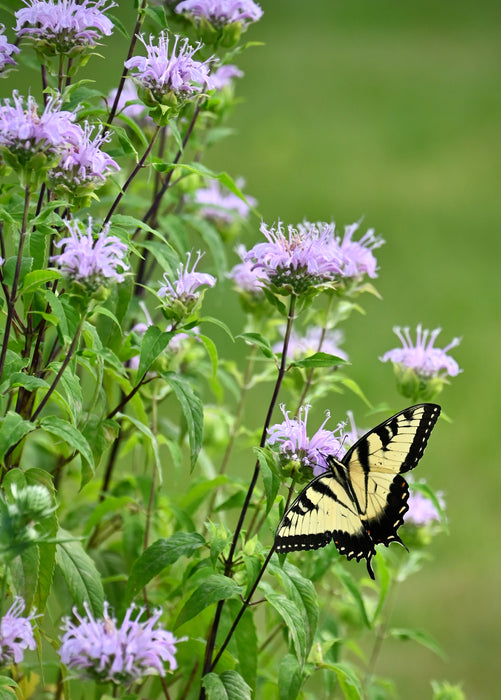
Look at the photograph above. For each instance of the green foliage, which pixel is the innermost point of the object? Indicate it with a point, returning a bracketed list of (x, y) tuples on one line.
[(128, 421)]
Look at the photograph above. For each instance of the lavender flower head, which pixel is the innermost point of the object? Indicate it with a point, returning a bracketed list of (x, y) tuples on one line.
[(16, 634), (314, 340), (246, 276), (102, 650), (169, 73), (303, 257), (422, 510), (6, 50), (357, 256), (221, 12), (188, 281), (26, 134), (295, 445), (426, 360), (222, 77), (89, 260), (64, 26), (222, 207), (83, 164)]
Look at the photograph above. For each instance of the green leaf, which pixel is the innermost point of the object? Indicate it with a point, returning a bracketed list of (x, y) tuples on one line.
[(348, 680), (69, 434), (154, 343), (149, 435), (214, 588), (271, 480), (260, 341), (290, 678), (6, 694), (12, 430), (319, 359), (245, 637), (353, 386), (27, 381), (352, 587), (212, 241), (38, 278), (294, 622), (80, 573), (24, 572), (193, 411), (423, 638), (157, 557), (228, 686)]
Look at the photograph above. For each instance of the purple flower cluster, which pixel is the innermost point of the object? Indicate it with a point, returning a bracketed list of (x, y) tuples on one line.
[(16, 634), (421, 509), (88, 259), (6, 50), (64, 25), (295, 445), (312, 254), (185, 286), (314, 340), (246, 276), (103, 650), (83, 164), (426, 360), (222, 76), (220, 206), (170, 69), (26, 133), (221, 12)]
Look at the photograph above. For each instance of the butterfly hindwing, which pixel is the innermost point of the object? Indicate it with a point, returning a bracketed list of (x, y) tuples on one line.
[(362, 501), (322, 512)]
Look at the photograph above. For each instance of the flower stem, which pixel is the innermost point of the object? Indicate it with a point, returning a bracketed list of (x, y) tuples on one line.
[(11, 301), (64, 364), (133, 174), (208, 665)]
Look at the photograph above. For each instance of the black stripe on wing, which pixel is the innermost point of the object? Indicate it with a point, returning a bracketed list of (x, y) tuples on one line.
[(383, 528)]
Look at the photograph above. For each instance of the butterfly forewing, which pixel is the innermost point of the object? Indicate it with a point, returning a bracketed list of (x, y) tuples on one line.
[(361, 502)]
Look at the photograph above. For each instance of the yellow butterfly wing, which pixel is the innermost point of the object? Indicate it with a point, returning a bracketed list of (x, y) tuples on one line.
[(362, 500)]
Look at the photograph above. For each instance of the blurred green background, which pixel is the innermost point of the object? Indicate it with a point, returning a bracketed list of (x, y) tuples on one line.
[(391, 111)]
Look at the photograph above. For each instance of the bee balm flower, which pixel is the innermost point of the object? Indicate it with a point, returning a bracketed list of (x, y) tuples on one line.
[(16, 634)]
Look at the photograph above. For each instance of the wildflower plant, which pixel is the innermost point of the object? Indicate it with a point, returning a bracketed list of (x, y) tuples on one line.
[(139, 493)]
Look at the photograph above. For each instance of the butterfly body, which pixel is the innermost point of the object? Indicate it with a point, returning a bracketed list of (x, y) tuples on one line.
[(361, 501)]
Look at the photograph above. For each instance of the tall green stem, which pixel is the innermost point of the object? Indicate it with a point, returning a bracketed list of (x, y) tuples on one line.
[(11, 301), (211, 642)]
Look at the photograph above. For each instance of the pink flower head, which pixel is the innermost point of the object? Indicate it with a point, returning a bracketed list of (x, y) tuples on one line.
[(314, 340), (246, 276), (222, 206), (221, 12), (103, 650), (25, 132), (357, 256), (187, 282), (16, 634), (65, 24), (6, 50), (170, 69), (83, 163), (425, 359), (295, 444), (303, 256), (223, 76), (90, 259), (422, 511)]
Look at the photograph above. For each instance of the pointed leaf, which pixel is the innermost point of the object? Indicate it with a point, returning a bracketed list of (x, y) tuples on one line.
[(294, 622), (214, 588), (69, 434), (157, 557), (420, 637), (245, 637), (12, 430), (260, 341), (80, 573), (290, 678), (193, 411), (154, 343), (319, 359), (228, 686)]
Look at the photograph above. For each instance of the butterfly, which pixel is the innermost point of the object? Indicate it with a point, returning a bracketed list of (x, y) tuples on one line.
[(361, 501)]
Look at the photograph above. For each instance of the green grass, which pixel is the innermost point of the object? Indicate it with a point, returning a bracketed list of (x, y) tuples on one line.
[(391, 111)]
